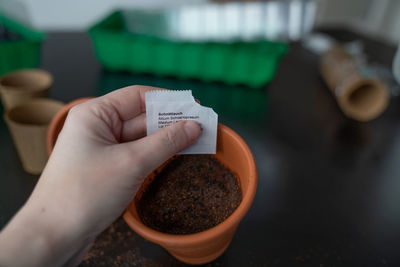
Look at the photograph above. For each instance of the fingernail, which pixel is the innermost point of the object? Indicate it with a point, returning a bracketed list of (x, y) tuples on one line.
[(192, 129)]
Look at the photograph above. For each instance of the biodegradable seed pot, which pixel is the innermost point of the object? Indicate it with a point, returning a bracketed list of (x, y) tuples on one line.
[(19, 86), (28, 124), (360, 97), (204, 246)]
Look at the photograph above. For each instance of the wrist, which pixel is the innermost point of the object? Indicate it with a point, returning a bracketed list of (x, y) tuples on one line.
[(35, 237), (20, 244)]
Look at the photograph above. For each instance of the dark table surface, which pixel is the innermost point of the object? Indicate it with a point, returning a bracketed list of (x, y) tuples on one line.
[(329, 187)]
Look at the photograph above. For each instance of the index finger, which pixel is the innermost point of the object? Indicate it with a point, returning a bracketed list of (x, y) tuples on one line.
[(129, 101)]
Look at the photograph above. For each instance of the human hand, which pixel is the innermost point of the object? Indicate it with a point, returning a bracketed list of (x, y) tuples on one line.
[(98, 163)]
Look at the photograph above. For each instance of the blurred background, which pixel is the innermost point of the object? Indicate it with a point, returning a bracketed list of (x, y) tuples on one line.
[(377, 18), (312, 86)]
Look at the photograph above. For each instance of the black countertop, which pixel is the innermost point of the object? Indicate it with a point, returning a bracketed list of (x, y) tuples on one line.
[(329, 187)]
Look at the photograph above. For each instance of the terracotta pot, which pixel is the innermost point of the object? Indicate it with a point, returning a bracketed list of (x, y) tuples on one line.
[(19, 86), (57, 123), (208, 245)]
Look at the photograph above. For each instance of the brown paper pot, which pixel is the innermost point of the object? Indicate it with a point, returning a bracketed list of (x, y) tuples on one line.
[(28, 125), (19, 86), (359, 97)]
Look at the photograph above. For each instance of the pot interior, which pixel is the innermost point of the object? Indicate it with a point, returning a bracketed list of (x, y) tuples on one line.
[(229, 152)]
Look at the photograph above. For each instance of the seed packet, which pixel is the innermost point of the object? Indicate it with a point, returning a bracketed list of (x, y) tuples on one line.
[(164, 108)]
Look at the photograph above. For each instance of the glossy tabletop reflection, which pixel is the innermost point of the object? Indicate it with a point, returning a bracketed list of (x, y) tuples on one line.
[(329, 187)]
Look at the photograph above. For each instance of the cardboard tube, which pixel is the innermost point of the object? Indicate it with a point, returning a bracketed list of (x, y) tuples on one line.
[(28, 125), (19, 86), (361, 98)]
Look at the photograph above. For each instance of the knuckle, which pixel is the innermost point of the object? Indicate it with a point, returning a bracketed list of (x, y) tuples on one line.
[(105, 111), (135, 87), (75, 113)]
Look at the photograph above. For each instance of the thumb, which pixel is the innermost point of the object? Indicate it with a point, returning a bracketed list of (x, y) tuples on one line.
[(156, 148)]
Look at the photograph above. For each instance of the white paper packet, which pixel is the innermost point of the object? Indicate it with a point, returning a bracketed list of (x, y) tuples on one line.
[(164, 108)]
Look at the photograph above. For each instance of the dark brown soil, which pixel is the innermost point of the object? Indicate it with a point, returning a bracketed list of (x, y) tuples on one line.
[(191, 194), (118, 246)]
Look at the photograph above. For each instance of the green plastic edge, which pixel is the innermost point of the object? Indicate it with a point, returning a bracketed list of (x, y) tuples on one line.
[(21, 53), (21, 29), (113, 26)]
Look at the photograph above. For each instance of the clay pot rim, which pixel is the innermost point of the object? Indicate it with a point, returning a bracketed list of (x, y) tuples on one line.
[(34, 101), (51, 132), (229, 223), (48, 81)]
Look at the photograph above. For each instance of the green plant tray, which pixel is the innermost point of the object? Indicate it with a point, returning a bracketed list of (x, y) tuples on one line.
[(252, 64), (21, 53)]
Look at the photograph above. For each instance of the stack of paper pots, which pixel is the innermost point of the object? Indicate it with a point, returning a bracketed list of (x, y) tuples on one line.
[(28, 113)]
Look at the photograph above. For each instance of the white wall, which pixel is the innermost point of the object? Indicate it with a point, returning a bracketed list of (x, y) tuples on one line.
[(73, 14), (379, 18)]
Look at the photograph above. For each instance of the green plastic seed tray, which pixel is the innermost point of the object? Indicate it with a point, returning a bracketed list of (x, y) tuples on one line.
[(248, 63), (19, 46)]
